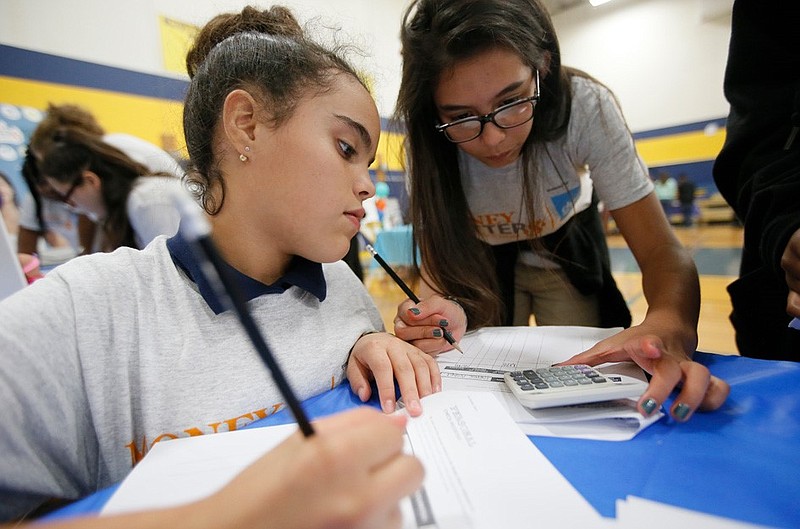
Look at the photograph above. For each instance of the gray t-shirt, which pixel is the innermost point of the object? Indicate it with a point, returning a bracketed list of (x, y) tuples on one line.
[(111, 353), (596, 152)]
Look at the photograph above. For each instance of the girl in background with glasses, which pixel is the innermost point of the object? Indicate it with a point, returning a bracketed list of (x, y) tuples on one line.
[(508, 155), (130, 204)]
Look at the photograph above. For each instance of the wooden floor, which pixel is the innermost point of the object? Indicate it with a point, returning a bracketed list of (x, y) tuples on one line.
[(716, 249)]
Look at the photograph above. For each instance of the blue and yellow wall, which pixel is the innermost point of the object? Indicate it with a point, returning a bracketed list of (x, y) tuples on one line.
[(150, 106), (689, 149)]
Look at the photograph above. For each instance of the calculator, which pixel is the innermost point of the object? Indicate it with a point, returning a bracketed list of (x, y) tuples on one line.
[(567, 385)]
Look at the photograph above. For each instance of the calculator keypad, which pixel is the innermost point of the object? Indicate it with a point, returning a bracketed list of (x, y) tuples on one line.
[(557, 377)]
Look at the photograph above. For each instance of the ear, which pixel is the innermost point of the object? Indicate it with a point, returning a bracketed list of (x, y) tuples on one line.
[(545, 70), (239, 120), (91, 179)]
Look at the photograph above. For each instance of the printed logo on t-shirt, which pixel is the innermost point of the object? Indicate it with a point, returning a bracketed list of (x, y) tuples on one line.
[(564, 203), (139, 448), (506, 224)]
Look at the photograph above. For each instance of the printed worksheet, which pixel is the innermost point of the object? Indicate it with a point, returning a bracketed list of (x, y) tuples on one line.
[(481, 472), (492, 351)]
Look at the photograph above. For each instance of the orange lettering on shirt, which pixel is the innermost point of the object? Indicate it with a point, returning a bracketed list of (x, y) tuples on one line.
[(136, 453)]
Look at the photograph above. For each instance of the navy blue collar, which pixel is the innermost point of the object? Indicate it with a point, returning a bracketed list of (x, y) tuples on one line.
[(302, 273)]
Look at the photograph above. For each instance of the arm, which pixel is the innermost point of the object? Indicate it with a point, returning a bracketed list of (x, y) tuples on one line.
[(86, 232), (669, 277), (791, 265), (352, 474), (664, 342), (151, 210), (27, 240)]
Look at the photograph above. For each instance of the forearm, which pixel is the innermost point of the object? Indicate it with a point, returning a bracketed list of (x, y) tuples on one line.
[(672, 289), (26, 240)]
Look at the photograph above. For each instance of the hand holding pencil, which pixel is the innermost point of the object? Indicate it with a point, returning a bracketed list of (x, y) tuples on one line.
[(413, 322)]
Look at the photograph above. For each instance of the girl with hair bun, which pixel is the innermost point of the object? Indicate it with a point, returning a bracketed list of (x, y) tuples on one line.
[(131, 348)]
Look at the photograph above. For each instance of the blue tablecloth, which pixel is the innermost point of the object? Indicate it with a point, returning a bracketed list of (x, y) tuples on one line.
[(741, 461)]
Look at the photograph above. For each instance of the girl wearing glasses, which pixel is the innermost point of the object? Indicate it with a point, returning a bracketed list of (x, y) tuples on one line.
[(509, 153), (130, 204)]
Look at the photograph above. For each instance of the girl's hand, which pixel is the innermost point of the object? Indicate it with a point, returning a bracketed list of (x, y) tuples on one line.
[(421, 323), (790, 262), (671, 368), (352, 473), (384, 358)]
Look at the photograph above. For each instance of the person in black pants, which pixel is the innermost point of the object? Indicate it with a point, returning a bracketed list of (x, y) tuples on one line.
[(758, 173)]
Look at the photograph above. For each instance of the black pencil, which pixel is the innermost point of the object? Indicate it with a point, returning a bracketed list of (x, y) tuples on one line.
[(194, 228), (402, 284)]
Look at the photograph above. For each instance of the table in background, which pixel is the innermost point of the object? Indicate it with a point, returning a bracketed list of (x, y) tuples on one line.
[(740, 462), (395, 246)]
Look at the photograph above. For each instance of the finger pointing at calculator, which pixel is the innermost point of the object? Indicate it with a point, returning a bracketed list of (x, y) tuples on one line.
[(670, 370)]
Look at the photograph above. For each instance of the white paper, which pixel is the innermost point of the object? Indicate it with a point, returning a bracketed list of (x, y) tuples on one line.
[(481, 472), (183, 470), (492, 351), (635, 513)]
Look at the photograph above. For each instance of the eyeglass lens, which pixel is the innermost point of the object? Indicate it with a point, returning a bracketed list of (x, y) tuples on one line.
[(513, 115)]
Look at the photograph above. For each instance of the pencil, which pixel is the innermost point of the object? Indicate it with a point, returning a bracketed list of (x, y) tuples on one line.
[(410, 293), (197, 231)]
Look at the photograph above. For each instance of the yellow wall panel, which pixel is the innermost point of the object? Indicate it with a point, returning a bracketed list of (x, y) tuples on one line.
[(390, 152), (156, 120), (176, 39), (681, 148)]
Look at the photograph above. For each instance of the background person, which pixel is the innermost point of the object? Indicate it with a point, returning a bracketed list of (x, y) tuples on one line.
[(758, 173), (686, 193), (130, 205)]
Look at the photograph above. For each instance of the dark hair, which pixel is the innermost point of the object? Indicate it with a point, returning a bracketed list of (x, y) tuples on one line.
[(435, 35), (72, 152), (60, 117), (30, 173), (262, 52)]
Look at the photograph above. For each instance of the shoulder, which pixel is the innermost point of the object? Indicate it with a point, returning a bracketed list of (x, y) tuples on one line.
[(595, 109), (590, 94), (340, 273), (119, 265), (587, 86), (154, 189)]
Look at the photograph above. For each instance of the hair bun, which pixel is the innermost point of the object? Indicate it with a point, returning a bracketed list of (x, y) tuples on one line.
[(277, 20)]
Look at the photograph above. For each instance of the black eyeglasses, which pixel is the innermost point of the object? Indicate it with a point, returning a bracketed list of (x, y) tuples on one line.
[(506, 116), (66, 196)]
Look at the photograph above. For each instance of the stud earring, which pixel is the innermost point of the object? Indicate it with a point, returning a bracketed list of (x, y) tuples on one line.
[(243, 158)]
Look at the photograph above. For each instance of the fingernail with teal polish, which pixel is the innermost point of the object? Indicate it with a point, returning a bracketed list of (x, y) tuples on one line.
[(437, 333), (649, 406), (681, 412), (413, 310), (443, 323)]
